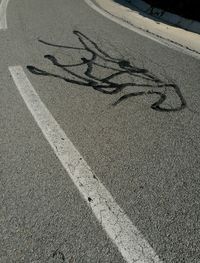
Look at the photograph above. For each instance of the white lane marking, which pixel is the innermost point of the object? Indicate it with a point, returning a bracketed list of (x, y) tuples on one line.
[(127, 238), (3, 20), (140, 31)]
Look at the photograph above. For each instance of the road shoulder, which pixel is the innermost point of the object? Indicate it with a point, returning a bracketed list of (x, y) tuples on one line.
[(187, 41)]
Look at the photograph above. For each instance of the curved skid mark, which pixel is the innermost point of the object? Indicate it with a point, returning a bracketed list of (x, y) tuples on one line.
[(149, 84), (3, 20)]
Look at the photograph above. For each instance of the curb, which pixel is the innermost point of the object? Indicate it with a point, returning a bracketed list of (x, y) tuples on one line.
[(188, 24)]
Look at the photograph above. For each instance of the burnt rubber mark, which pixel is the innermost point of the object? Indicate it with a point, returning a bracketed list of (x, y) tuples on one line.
[(140, 77)]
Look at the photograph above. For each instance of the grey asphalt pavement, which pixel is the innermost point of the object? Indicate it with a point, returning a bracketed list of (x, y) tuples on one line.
[(146, 155)]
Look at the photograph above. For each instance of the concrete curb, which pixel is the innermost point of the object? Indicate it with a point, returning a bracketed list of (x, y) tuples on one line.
[(190, 25)]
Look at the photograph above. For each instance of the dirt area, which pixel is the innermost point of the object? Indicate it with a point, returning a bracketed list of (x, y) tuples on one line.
[(186, 8)]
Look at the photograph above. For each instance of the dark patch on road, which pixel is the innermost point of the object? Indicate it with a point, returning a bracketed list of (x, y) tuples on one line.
[(109, 85), (89, 199), (59, 256)]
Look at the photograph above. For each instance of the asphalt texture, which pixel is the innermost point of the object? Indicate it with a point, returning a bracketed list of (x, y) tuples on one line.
[(146, 157)]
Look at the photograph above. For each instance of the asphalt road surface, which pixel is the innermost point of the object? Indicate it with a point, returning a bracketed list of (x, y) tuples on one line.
[(130, 107)]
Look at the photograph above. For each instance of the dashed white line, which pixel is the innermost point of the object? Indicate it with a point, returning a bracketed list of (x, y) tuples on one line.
[(3, 20), (127, 238)]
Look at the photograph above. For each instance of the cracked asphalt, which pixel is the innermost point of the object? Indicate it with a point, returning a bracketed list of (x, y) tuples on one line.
[(148, 159)]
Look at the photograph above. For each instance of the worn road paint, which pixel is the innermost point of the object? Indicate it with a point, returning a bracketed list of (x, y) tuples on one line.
[(126, 237), (161, 40), (3, 20)]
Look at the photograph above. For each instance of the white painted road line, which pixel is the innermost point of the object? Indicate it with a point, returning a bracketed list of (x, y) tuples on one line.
[(126, 237), (3, 21), (140, 31)]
